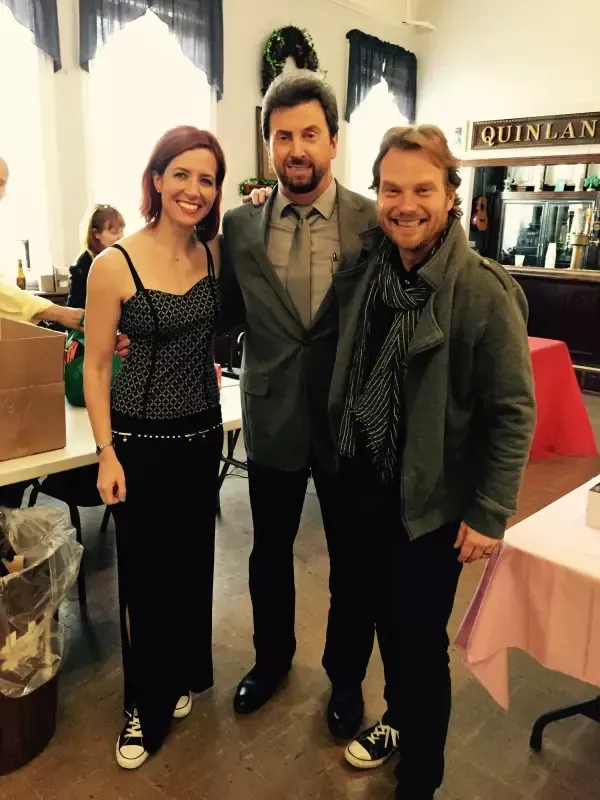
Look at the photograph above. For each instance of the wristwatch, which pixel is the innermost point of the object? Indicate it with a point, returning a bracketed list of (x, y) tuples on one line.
[(101, 447)]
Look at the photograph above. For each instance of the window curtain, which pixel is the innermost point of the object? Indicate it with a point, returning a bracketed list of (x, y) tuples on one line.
[(370, 61), (41, 18), (196, 24)]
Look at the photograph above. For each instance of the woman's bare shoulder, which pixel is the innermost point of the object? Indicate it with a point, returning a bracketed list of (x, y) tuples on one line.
[(109, 261), (113, 259), (135, 241)]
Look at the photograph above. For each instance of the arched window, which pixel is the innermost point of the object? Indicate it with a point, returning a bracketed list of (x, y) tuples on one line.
[(141, 85), (368, 123), (24, 211)]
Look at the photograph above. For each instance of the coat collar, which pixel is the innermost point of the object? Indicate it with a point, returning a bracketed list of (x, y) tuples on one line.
[(436, 268)]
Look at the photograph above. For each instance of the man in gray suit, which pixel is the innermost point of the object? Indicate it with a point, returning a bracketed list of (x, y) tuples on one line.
[(278, 274)]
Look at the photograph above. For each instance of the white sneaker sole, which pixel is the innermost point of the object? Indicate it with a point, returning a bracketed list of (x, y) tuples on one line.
[(361, 763), (180, 713), (131, 763)]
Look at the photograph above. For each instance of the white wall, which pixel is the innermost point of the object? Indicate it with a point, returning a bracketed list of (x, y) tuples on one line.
[(247, 27), (508, 59)]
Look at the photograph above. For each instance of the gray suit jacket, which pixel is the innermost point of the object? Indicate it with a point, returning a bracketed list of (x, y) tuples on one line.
[(286, 369)]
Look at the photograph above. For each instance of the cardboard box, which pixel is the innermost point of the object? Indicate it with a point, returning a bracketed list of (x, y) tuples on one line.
[(47, 284), (593, 507), (32, 392)]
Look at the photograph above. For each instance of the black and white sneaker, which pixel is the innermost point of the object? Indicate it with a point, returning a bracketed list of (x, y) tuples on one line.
[(183, 707), (372, 747), (131, 752)]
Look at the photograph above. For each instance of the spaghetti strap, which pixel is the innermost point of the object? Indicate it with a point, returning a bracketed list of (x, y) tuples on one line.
[(209, 261), (136, 278)]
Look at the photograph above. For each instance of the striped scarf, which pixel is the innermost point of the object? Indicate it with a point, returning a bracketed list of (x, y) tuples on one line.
[(374, 402)]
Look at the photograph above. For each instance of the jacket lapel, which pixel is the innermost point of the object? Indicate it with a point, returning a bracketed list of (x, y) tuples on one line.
[(257, 246), (428, 333), (353, 220)]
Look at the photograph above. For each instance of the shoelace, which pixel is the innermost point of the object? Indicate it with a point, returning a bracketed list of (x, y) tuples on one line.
[(134, 729), (384, 730)]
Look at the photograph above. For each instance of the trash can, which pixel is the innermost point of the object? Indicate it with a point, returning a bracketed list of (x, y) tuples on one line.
[(39, 561), (27, 725)]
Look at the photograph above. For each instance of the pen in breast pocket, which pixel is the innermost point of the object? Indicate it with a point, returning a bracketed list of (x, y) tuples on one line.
[(334, 261)]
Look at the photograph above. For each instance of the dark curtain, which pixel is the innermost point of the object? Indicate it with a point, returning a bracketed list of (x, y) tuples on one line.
[(40, 17), (370, 61), (196, 24)]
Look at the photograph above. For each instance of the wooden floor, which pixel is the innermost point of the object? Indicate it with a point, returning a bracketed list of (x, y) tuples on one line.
[(284, 750)]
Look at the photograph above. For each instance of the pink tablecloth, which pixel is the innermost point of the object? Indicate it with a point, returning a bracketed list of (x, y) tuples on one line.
[(541, 594), (563, 426)]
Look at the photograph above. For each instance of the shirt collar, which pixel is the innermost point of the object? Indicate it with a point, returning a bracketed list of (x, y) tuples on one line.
[(325, 204)]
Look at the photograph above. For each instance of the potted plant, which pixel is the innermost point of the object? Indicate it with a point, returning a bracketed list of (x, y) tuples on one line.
[(592, 183)]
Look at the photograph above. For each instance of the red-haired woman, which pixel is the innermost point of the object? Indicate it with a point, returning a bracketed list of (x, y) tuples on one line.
[(158, 432)]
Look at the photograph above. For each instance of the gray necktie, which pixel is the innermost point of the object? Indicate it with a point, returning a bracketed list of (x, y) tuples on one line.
[(299, 265)]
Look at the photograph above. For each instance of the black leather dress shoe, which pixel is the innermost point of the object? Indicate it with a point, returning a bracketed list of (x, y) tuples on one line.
[(345, 711), (254, 690)]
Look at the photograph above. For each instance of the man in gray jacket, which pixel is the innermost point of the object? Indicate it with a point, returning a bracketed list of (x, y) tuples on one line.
[(278, 263), (432, 399)]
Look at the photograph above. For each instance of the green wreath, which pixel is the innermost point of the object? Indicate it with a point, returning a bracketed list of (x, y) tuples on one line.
[(281, 44)]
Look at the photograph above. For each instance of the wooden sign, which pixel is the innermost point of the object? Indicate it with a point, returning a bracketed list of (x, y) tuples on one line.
[(537, 131)]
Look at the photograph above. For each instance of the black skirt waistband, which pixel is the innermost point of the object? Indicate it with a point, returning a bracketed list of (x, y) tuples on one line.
[(181, 426)]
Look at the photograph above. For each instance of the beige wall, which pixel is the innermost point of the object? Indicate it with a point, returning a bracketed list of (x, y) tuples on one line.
[(247, 26), (509, 59), (245, 34)]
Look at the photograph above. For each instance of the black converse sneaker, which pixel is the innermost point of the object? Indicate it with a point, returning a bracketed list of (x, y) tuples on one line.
[(372, 747), (131, 752), (184, 706)]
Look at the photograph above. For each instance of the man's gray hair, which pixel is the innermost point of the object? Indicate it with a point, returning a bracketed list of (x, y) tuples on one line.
[(293, 88)]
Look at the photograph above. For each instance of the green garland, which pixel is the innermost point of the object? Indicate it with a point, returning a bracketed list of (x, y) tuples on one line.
[(257, 181), (282, 44)]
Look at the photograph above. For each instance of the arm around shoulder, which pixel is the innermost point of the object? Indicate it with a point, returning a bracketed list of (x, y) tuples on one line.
[(233, 311), (215, 250)]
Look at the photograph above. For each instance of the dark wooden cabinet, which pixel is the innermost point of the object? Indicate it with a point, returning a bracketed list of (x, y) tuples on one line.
[(527, 222), (565, 305)]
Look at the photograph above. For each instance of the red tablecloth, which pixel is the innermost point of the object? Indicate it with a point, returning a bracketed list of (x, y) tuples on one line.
[(563, 426)]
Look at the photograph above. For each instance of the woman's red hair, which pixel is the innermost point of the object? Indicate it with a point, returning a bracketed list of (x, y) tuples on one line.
[(170, 145)]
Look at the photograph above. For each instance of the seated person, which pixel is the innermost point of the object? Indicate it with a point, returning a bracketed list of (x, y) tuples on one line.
[(22, 306), (103, 228)]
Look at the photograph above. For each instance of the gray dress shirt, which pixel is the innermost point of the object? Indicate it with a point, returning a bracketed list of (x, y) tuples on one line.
[(325, 243)]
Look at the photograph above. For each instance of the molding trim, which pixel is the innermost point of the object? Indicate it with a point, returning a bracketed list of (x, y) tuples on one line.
[(365, 8), (530, 161)]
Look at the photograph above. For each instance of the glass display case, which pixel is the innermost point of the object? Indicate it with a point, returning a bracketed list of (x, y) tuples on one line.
[(529, 225)]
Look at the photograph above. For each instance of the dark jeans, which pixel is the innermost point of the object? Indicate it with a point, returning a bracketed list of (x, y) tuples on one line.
[(277, 498), (412, 585)]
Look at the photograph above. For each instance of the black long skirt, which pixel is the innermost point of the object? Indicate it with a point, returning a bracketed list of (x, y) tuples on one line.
[(165, 547)]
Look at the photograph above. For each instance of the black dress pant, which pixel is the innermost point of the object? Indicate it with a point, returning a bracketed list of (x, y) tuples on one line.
[(165, 533), (276, 498), (412, 586)]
